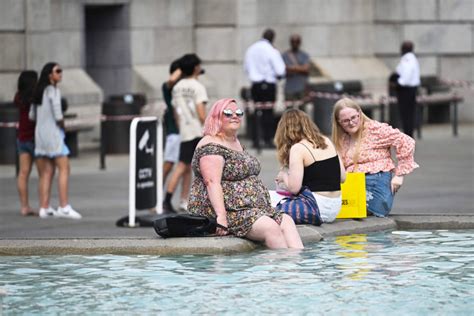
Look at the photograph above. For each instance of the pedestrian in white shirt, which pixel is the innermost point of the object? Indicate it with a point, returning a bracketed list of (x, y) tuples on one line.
[(264, 66), (408, 71)]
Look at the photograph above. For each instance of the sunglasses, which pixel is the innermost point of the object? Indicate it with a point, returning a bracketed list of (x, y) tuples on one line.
[(58, 71), (229, 113)]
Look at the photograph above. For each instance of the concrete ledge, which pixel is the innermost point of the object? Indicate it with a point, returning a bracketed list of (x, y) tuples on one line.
[(434, 222), (132, 246), (220, 245), (356, 226)]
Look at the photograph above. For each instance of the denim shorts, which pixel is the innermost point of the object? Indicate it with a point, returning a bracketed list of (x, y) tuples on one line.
[(27, 147), (379, 193)]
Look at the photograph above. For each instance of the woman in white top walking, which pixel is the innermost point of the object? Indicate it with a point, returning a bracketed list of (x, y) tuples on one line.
[(50, 149)]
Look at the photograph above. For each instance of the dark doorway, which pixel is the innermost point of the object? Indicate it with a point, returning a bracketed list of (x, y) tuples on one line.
[(107, 42)]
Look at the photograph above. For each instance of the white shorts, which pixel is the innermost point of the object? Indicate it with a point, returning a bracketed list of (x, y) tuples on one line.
[(329, 207), (173, 142)]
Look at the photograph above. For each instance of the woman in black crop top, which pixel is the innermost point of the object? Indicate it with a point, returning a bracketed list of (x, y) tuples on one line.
[(308, 158)]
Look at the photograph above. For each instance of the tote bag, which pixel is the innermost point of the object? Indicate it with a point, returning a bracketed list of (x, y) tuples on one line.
[(353, 196), (302, 207)]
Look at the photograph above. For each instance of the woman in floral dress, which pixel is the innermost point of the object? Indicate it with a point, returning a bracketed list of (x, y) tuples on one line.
[(226, 184), (365, 146)]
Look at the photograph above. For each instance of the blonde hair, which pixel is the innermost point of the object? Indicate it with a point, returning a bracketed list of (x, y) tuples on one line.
[(337, 130), (294, 126)]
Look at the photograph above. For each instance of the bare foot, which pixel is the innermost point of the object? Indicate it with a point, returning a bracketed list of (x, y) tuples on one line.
[(28, 212)]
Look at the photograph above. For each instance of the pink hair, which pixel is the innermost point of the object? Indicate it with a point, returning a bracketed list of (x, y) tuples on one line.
[(212, 124)]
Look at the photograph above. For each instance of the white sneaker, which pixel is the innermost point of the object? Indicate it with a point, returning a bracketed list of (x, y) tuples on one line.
[(47, 212), (67, 212), (183, 206)]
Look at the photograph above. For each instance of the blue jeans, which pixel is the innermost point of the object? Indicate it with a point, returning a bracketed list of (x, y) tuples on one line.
[(379, 193)]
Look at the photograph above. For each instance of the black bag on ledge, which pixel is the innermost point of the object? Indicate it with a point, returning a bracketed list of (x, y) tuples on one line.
[(184, 225)]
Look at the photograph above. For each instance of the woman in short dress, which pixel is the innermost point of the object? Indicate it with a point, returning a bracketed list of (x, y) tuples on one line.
[(50, 148), (226, 184)]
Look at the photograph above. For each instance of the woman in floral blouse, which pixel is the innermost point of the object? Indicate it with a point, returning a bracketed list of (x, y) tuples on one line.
[(365, 146), (226, 184)]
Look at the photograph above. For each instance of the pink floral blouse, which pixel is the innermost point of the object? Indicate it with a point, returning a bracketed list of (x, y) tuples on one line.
[(377, 139)]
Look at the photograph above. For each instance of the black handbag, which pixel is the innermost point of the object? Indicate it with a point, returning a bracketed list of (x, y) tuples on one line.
[(184, 225)]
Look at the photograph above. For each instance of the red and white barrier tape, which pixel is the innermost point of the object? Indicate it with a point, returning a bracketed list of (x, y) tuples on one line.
[(9, 124), (458, 83), (104, 118)]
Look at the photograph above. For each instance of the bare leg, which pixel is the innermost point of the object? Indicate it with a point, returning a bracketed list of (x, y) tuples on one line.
[(25, 162), (268, 231), (290, 232), (62, 163), (46, 172), (175, 176), (187, 175), (167, 166)]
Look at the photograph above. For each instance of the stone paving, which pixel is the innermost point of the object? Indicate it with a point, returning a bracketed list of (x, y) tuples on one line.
[(437, 195)]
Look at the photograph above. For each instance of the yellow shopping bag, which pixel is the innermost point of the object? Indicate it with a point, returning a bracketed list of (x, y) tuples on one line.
[(353, 196)]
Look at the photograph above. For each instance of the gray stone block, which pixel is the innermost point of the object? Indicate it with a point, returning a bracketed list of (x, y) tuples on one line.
[(350, 40), (38, 49), (220, 81), (79, 88), (216, 44), (246, 12), (148, 79), (12, 56), (180, 13), (420, 10), (38, 15), (457, 68), (12, 17), (171, 43), (71, 56), (142, 46), (272, 12), (216, 12), (440, 38), (456, 10), (314, 40), (387, 38), (67, 15), (147, 13), (8, 82), (389, 10), (113, 80), (428, 65), (333, 12), (389, 61)]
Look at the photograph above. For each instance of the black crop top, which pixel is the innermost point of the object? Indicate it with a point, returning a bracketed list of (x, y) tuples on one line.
[(323, 175)]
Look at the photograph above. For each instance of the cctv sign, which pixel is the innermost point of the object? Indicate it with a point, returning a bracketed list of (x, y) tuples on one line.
[(145, 164)]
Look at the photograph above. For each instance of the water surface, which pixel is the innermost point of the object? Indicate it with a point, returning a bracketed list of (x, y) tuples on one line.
[(400, 273)]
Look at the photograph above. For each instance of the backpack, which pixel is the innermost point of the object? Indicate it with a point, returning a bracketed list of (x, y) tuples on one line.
[(184, 225)]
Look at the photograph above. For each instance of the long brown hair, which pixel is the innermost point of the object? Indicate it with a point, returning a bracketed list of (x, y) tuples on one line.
[(337, 130), (294, 126)]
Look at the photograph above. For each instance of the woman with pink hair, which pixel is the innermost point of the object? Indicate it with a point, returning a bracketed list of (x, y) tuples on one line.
[(226, 184)]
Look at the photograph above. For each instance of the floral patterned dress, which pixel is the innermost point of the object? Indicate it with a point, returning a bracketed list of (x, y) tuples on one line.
[(246, 199)]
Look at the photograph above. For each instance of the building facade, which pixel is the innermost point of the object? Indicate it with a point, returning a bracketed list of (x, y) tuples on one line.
[(112, 47)]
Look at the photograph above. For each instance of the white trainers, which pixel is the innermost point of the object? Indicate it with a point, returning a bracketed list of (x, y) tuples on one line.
[(67, 212), (183, 206), (47, 212)]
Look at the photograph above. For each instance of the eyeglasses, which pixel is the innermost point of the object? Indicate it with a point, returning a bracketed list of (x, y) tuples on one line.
[(353, 118), (58, 71), (229, 113)]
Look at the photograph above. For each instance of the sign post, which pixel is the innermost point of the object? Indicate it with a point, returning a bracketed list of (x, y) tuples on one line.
[(145, 174)]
